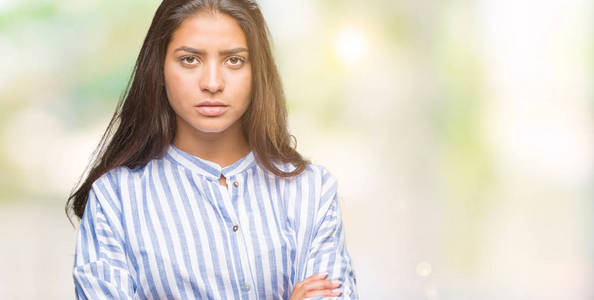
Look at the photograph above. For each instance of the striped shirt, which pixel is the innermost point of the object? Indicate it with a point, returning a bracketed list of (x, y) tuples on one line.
[(170, 230)]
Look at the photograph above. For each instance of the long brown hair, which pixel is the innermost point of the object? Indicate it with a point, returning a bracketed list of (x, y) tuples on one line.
[(143, 124)]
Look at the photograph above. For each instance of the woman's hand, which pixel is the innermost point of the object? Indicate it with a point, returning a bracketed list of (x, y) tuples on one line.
[(315, 285)]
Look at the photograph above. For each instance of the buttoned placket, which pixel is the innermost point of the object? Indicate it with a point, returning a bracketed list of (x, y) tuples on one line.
[(231, 194)]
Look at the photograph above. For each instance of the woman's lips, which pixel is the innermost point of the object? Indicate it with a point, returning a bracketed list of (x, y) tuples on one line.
[(212, 110)]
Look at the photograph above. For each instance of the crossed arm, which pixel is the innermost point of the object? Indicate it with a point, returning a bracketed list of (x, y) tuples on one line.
[(328, 266), (100, 270)]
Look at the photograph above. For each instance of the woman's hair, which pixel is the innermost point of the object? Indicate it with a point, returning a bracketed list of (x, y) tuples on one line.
[(143, 124)]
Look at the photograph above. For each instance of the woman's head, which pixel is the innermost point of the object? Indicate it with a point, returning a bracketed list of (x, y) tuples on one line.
[(207, 74), (207, 49), (160, 96)]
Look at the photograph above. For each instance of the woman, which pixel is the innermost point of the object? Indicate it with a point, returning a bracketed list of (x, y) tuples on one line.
[(198, 193)]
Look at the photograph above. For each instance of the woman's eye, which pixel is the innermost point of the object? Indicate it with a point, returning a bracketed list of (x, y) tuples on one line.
[(189, 60), (235, 61)]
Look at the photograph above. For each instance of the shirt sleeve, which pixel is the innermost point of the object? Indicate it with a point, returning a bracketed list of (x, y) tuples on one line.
[(328, 252), (100, 268)]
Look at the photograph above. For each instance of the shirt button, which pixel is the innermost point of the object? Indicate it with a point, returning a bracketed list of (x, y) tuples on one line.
[(246, 287), (235, 184), (235, 227)]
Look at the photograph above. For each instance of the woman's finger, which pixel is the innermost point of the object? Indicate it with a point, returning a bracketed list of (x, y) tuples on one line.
[(313, 283), (321, 285), (324, 293), (313, 277)]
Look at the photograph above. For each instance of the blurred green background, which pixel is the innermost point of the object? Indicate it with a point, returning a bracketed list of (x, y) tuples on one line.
[(461, 133)]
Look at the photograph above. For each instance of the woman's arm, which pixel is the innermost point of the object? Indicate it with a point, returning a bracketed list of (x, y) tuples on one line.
[(100, 268), (315, 285), (327, 252)]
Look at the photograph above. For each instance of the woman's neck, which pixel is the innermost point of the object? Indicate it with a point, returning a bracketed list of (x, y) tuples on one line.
[(223, 148)]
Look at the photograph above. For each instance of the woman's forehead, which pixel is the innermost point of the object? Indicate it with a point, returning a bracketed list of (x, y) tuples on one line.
[(214, 31)]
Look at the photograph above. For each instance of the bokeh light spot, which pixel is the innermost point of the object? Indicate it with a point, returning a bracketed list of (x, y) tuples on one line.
[(350, 45)]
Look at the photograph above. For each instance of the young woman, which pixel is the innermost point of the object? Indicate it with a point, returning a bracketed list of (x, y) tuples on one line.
[(196, 191)]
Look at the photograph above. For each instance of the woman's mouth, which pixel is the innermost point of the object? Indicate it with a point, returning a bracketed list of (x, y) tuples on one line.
[(211, 108)]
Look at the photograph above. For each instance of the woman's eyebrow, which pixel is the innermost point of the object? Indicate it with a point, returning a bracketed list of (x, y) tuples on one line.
[(202, 52)]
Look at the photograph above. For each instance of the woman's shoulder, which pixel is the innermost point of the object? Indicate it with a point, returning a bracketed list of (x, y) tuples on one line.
[(319, 173), (311, 171), (110, 183), (113, 176), (315, 180), (312, 191)]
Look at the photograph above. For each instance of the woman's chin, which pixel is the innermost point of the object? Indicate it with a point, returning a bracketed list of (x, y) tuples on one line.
[(207, 126), (211, 128)]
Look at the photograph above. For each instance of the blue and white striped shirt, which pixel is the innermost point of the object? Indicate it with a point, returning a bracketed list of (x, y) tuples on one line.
[(170, 230)]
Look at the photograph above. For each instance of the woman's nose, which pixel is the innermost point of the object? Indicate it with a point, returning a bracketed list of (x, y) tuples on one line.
[(211, 79)]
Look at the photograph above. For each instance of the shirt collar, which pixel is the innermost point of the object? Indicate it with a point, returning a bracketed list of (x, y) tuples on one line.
[(208, 168)]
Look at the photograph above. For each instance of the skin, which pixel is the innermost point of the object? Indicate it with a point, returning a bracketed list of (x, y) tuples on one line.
[(191, 78), (211, 74), (315, 285)]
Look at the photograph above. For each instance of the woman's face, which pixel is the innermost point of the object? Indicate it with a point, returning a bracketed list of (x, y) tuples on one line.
[(207, 73)]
